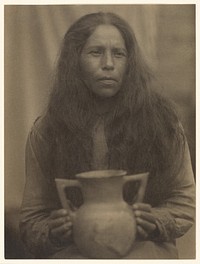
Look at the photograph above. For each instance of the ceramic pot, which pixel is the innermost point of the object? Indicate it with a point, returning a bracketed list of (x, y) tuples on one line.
[(104, 226)]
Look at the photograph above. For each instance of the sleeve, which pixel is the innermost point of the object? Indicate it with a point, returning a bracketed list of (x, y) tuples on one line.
[(39, 199), (175, 215)]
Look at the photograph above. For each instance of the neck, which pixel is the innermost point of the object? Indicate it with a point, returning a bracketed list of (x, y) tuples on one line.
[(104, 105)]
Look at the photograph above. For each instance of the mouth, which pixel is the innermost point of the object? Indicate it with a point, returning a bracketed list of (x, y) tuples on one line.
[(107, 80)]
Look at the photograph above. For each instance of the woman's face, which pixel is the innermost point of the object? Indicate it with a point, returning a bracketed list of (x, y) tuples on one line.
[(104, 61)]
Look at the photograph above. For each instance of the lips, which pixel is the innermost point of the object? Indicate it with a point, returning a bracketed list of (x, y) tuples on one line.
[(107, 80)]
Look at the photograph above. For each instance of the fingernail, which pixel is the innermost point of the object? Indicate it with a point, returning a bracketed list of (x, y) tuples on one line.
[(137, 213), (68, 218), (68, 225)]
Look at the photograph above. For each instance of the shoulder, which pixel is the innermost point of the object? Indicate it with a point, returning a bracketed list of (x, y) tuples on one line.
[(165, 109), (47, 129), (42, 129)]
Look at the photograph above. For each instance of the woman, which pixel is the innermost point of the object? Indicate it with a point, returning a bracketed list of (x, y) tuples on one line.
[(104, 114)]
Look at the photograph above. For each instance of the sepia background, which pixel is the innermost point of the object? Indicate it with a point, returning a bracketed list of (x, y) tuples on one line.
[(33, 34)]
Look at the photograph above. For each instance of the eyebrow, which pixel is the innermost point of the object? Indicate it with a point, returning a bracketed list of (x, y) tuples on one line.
[(120, 49), (95, 47), (102, 47)]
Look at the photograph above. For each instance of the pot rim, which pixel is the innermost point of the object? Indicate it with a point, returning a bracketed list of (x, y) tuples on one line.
[(101, 174)]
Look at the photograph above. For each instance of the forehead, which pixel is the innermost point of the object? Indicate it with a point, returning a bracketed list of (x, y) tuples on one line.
[(106, 35)]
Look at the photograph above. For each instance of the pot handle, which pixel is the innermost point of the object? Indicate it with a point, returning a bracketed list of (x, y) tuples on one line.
[(61, 184), (142, 177)]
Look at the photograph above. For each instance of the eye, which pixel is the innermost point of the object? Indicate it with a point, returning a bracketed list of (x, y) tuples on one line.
[(119, 53), (96, 53)]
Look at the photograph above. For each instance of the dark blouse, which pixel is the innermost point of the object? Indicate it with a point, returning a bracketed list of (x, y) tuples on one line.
[(174, 214)]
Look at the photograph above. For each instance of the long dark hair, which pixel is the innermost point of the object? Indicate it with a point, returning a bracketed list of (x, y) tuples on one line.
[(143, 131)]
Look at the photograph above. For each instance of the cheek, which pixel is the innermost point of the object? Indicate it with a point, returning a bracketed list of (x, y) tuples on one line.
[(122, 69), (87, 69)]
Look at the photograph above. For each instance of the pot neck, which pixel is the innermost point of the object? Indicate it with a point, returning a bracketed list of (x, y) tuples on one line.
[(107, 190)]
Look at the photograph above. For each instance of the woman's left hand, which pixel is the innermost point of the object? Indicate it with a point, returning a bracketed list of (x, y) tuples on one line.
[(145, 220)]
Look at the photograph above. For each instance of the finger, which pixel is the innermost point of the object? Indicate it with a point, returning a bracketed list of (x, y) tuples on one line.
[(63, 237), (142, 206), (145, 215), (59, 213), (147, 226), (142, 232), (61, 230), (66, 235), (53, 223)]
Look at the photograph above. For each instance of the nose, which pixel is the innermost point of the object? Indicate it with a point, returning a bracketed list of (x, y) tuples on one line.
[(107, 61)]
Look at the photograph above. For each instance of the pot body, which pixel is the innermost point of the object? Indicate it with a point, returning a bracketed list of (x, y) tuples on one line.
[(104, 226), (104, 230)]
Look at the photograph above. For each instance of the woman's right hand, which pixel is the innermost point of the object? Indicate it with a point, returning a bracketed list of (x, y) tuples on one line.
[(60, 226)]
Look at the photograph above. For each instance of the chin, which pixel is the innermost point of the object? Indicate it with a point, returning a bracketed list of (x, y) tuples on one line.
[(106, 95), (106, 92)]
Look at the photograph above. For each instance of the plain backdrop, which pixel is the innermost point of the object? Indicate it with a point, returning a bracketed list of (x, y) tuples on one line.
[(33, 34)]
